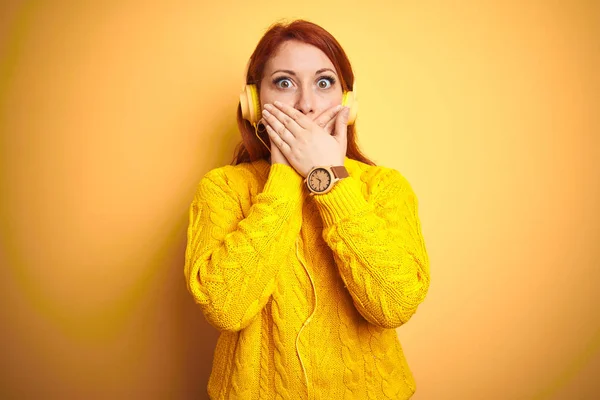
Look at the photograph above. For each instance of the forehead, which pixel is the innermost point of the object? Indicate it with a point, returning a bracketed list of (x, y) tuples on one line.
[(299, 57)]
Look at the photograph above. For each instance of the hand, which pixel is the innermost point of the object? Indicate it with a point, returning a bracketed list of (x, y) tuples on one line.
[(276, 156), (327, 119), (304, 142)]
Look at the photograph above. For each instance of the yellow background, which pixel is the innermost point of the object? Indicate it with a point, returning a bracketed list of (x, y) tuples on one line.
[(111, 113)]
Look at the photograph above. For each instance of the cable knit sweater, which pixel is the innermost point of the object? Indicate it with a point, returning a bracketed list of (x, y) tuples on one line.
[(255, 235)]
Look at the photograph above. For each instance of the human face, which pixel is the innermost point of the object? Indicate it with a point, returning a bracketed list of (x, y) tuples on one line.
[(301, 76)]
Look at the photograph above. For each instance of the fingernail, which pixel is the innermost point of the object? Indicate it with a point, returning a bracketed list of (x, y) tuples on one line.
[(277, 103), (265, 112), (268, 106)]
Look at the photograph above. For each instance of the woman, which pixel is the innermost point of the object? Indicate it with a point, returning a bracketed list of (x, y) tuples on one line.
[(306, 270)]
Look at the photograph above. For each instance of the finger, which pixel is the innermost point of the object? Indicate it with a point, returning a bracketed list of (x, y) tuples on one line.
[(330, 126), (281, 121), (279, 127), (278, 141), (327, 116), (341, 125), (299, 118)]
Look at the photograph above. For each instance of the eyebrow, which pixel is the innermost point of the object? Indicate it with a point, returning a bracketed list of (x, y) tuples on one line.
[(290, 72)]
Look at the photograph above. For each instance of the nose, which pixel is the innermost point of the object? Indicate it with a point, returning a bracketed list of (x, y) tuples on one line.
[(305, 102)]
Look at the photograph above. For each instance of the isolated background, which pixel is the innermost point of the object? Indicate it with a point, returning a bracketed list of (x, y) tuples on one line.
[(110, 113)]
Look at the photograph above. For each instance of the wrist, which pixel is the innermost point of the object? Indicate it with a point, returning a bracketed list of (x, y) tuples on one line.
[(322, 179)]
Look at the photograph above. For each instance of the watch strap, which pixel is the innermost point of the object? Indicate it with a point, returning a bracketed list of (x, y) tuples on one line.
[(340, 172)]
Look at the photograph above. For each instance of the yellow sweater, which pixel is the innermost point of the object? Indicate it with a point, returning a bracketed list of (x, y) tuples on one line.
[(256, 240)]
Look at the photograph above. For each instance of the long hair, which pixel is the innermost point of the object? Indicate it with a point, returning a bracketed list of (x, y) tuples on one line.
[(250, 148)]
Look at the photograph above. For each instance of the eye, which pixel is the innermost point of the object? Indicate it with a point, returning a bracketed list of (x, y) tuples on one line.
[(283, 83), (325, 82)]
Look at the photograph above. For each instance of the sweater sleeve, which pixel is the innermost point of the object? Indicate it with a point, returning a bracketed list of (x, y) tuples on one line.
[(231, 261), (377, 245)]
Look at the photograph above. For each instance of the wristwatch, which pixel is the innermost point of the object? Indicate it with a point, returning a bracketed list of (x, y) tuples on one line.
[(320, 180)]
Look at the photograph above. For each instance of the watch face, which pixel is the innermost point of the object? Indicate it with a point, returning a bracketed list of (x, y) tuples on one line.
[(319, 180)]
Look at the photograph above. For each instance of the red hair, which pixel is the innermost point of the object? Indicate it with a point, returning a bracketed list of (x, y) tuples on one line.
[(251, 149)]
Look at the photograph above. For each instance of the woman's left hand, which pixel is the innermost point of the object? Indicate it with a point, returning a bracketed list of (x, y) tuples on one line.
[(303, 141)]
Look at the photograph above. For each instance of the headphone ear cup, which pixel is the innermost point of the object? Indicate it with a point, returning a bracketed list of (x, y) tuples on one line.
[(250, 104), (349, 100)]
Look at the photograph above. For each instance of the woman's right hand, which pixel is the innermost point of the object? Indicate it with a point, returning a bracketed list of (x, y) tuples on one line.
[(277, 157), (325, 120)]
